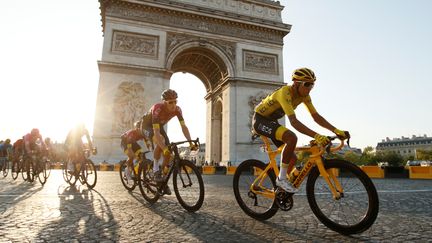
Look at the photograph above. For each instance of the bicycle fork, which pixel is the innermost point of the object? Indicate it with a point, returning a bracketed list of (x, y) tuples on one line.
[(330, 177)]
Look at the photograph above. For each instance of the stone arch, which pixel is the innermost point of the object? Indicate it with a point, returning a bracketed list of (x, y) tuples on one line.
[(202, 59), (233, 47)]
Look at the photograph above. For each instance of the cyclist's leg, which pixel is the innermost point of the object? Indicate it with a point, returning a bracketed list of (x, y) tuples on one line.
[(166, 141), (280, 135), (288, 156)]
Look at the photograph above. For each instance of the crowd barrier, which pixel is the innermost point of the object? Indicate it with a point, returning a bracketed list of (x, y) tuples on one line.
[(373, 171), (420, 172), (208, 170), (415, 172)]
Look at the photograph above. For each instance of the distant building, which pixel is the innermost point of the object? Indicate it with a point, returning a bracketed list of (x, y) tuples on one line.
[(197, 158), (346, 149), (405, 146)]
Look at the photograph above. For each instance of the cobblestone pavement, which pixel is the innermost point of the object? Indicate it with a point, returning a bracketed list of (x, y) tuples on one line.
[(57, 212)]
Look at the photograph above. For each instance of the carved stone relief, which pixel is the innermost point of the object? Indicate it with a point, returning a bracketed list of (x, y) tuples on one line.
[(128, 106), (135, 44), (259, 62), (174, 40), (254, 100), (242, 7), (192, 22)]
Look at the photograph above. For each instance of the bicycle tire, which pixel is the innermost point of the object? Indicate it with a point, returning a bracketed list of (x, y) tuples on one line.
[(64, 172), (42, 173), (24, 169), (5, 168), (364, 199), (128, 184), (89, 174), (188, 175), (30, 171), (148, 187), (15, 170), (70, 177), (48, 169), (244, 177)]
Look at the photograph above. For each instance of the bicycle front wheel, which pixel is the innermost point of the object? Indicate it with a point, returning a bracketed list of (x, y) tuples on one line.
[(5, 168), (89, 174), (69, 173), (255, 204), (358, 207), (147, 186), (129, 184), (188, 186), (41, 172), (16, 168)]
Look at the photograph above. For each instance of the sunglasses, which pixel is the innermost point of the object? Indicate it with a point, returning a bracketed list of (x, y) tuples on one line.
[(172, 102), (306, 84)]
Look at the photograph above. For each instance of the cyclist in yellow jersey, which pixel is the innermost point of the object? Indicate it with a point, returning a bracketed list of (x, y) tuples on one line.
[(283, 102)]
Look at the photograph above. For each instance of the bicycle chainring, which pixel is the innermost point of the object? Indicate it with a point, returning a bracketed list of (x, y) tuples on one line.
[(284, 200)]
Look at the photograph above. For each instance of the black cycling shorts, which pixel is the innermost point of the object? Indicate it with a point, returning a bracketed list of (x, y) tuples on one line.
[(266, 127)]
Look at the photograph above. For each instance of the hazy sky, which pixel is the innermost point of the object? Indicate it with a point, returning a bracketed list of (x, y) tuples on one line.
[(372, 60)]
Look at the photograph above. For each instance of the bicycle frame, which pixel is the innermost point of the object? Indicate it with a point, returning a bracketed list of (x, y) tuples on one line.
[(315, 159)]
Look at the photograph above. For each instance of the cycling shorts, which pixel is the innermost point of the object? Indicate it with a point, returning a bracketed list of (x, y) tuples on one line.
[(134, 146), (269, 128)]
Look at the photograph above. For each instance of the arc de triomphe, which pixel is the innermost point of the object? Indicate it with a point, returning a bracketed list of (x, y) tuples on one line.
[(233, 46)]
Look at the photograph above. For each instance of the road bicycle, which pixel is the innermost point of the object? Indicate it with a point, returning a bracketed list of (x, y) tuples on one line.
[(339, 193), (32, 165), (130, 184), (187, 180), (84, 170)]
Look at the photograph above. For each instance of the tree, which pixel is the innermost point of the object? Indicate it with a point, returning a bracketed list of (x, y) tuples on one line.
[(422, 154)]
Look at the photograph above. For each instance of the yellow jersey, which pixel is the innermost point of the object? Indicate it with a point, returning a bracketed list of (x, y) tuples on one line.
[(281, 103)]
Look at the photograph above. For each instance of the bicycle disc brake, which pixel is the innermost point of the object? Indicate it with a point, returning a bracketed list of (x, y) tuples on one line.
[(284, 200)]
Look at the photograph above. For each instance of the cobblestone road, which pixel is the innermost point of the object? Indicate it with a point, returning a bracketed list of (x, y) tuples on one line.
[(57, 212)]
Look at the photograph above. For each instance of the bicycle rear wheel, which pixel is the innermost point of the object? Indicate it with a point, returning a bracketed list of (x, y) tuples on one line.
[(188, 186), (146, 184), (89, 174), (358, 207), (254, 204), (128, 184)]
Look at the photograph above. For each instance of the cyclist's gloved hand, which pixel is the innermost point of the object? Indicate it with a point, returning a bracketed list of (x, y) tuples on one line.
[(166, 151), (193, 147), (342, 134), (322, 140)]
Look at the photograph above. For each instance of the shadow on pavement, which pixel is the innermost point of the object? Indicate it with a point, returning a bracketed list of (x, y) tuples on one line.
[(84, 215), (202, 225)]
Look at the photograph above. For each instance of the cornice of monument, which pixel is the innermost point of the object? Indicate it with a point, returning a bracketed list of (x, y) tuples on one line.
[(240, 26), (128, 68)]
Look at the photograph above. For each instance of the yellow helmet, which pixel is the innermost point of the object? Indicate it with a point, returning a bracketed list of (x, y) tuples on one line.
[(303, 74)]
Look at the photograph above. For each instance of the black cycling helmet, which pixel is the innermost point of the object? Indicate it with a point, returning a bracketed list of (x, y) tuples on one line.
[(303, 74), (169, 94)]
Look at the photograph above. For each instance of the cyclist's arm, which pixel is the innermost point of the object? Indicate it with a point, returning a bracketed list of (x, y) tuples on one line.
[(88, 139), (300, 126), (322, 122), (185, 130)]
